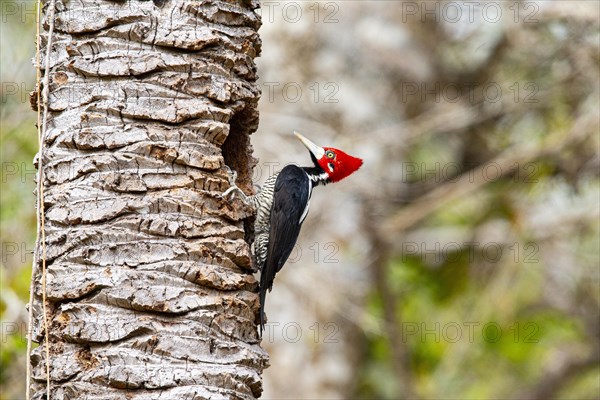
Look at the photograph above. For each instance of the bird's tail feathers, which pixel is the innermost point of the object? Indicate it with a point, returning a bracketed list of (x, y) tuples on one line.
[(263, 296)]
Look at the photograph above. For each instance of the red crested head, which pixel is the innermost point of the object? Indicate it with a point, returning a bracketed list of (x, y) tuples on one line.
[(335, 163), (338, 164)]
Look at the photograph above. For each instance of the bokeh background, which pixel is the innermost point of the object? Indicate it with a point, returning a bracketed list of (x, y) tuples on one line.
[(462, 260)]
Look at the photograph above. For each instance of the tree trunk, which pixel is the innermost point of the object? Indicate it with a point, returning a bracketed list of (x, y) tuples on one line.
[(150, 293)]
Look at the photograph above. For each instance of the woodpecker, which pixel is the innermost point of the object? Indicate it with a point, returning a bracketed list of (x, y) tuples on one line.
[(282, 205)]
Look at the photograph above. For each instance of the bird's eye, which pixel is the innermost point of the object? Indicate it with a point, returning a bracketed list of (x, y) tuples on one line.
[(330, 154)]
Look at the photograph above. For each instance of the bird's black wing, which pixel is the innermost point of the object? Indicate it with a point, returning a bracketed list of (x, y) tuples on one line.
[(290, 199)]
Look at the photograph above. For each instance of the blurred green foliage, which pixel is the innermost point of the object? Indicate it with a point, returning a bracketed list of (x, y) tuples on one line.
[(453, 313), (18, 145)]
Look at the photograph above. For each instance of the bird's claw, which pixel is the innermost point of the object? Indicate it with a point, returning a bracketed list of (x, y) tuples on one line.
[(234, 189), (231, 175), (230, 192)]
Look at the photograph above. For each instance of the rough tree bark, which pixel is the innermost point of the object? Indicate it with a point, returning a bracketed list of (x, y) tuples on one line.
[(149, 277)]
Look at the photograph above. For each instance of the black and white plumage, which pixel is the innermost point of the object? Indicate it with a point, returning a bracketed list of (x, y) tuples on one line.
[(290, 204), (282, 206)]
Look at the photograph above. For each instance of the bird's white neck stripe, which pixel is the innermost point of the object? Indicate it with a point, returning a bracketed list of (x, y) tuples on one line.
[(305, 212), (322, 177)]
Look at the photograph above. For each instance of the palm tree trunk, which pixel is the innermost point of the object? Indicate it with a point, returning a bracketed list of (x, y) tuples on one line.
[(150, 293)]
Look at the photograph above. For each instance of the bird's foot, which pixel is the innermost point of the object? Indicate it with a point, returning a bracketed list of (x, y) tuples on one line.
[(231, 175), (233, 190)]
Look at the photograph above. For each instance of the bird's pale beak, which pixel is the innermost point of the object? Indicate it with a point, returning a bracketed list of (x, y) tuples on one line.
[(317, 151)]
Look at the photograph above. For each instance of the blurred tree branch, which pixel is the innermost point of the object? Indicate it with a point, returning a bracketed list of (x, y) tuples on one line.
[(470, 181), (558, 378), (380, 257)]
